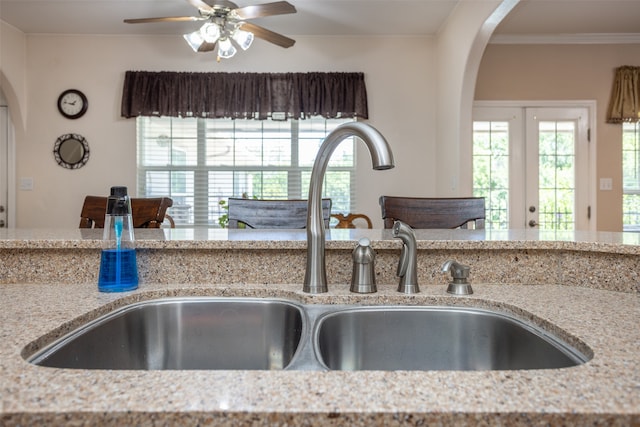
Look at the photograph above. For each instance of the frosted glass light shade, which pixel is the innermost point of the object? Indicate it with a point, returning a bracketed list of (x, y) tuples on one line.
[(210, 32), (225, 48), (243, 38), (194, 40)]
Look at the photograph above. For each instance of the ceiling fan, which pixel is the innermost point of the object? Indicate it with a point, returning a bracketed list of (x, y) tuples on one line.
[(225, 21)]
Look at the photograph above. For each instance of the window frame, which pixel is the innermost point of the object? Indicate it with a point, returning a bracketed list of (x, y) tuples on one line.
[(631, 190), (207, 208)]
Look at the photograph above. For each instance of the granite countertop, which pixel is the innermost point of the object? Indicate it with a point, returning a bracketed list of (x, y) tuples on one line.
[(605, 390), (203, 238)]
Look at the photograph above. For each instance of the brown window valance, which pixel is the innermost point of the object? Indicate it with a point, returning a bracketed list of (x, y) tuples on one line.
[(624, 105), (244, 95)]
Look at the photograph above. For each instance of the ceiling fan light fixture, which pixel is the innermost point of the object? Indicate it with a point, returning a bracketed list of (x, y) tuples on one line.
[(223, 22), (226, 48), (243, 38), (210, 32), (195, 40)]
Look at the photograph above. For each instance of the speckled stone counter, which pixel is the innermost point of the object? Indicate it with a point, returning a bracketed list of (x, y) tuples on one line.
[(600, 309), (200, 256)]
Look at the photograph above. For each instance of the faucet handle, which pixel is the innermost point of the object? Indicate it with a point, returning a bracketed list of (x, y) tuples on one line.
[(460, 274)]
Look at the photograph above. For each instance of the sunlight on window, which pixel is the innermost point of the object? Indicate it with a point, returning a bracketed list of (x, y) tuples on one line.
[(631, 176), (556, 172), (491, 170), (201, 162)]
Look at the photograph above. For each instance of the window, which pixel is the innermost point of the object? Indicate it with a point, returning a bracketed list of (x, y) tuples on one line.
[(201, 162), (491, 170), (631, 176)]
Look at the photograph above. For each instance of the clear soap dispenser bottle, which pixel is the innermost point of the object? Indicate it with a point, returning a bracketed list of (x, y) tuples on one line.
[(118, 267)]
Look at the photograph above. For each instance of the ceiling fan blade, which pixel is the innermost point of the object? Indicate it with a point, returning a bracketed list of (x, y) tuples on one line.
[(262, 10), (268, 35), (164, 19), (200, 4)]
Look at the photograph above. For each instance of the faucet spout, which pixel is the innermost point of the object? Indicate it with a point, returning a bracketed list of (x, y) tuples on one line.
[(315, 278)]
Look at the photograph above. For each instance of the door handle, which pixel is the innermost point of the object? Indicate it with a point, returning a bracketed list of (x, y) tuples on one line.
[(533, 223)]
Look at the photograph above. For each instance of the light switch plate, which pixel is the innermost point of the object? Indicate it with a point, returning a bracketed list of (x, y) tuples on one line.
[(26, 184), (606, 184)]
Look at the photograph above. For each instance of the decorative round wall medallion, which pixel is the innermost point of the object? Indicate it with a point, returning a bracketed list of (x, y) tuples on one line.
[(71, 151), (72, 103)]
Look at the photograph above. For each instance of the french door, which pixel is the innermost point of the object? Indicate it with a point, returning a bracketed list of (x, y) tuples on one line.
[(532, 166)]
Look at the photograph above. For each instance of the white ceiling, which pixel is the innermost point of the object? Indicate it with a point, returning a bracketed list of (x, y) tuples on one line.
[(324, 17)]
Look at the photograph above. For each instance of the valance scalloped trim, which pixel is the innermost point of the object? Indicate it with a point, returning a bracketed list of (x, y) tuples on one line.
[(624, 105), (279, 96)]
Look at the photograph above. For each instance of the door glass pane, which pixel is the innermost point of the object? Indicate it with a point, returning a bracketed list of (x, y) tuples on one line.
[(556, 175), (491, 170), (631, 176)]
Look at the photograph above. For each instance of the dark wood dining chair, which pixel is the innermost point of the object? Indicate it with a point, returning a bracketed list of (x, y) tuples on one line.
[(145, 212), (351, 219), (418, 212), (260, 213)]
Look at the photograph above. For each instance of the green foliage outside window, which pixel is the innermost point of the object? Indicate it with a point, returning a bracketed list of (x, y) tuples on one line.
[(491, 171), (631, 176), (556, 163), (556, 178)]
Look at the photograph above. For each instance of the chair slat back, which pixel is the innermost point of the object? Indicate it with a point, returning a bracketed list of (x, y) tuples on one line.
[(417, 212), (258, 213), (145, 212)]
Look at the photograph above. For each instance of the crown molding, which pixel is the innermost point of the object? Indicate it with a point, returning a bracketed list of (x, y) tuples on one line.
[(583, 38)]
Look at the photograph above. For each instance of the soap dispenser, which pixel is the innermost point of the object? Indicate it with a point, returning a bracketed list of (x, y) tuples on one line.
[(363, 278), (118, 267)]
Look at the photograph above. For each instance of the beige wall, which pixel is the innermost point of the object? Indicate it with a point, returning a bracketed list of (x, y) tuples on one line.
[(409, 103), (566, 72), (397, 88), (13, 82)]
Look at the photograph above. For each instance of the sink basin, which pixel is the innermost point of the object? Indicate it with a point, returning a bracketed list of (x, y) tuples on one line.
[(436, 338), (272, 334), (184, 333)]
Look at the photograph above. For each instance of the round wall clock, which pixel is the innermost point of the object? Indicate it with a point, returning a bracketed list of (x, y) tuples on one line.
[(71, 151), (72, 103)]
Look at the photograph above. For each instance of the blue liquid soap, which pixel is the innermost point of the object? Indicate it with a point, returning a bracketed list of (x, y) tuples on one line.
[(118, 270)]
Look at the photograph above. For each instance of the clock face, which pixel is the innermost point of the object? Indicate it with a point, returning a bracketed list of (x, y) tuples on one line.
[(72, 104)]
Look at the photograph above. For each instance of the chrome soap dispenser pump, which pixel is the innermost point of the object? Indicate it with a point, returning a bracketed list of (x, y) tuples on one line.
[(363, 278), (118, 266)]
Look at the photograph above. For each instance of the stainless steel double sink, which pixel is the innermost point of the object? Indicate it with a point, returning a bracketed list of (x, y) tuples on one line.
[(263, 334)]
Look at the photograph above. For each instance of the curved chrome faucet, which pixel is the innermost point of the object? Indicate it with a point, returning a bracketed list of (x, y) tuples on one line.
[(407, 266), (315, 277)]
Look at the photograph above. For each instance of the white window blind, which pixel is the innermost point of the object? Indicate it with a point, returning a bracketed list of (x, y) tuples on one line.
[(200, 162)]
